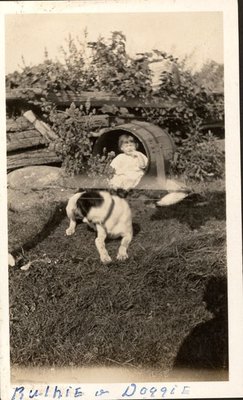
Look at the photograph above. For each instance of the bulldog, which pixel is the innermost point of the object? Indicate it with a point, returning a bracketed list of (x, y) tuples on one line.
[(109, 214)]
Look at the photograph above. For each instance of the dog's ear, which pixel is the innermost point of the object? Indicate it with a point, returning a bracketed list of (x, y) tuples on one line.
[(89, 199), (79, 190)]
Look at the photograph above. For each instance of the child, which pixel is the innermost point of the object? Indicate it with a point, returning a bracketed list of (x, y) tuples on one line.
[(129, 166)]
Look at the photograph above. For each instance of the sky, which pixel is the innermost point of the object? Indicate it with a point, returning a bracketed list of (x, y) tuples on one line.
[(198, 34)]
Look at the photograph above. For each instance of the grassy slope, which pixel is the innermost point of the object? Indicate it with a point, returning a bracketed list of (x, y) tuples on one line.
[(69, 309)]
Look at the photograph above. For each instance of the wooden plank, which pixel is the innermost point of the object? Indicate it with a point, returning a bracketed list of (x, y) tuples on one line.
[(24, 140), (97, 99), (23, 94), (40, 126), (34, 157)]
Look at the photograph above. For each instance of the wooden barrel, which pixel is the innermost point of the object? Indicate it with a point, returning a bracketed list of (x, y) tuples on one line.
[(153, 141)]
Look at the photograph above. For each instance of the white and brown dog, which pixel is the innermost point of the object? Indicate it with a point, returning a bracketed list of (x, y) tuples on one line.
[(109, 214)]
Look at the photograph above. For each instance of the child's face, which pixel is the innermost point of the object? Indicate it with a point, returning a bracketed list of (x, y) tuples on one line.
[(128, 146)]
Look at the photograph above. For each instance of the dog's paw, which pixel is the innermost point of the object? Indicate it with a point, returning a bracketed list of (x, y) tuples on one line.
[(106, 259), (122, 256), (70, 231)]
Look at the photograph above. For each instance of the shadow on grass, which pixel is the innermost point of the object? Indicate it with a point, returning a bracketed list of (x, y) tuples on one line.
[(195, 210), (206, 347), (58, 215)]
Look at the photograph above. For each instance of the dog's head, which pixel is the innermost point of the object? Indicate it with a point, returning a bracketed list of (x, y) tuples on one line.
[(89, 199)]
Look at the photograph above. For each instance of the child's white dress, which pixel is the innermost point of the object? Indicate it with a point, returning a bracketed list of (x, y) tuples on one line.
[(128, 170)]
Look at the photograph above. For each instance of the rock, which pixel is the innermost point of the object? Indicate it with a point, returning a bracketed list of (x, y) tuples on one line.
[(22, 201), (25, 228), (35, 177)]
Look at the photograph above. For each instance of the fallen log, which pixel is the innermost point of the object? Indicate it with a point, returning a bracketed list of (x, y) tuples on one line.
[(23, 140), (35, 157), (24, 94), (97, 99)]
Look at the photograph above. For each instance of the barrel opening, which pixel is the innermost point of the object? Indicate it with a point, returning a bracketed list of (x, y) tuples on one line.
[(108, 142)]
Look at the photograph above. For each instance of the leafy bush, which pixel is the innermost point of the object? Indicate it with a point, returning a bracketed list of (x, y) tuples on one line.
[(108, 68), (74, 143), (104, 65), (198, 157)]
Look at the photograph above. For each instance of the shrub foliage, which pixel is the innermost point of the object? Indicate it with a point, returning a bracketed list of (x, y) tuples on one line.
[(199, 158), (74, 143), (104, 65)]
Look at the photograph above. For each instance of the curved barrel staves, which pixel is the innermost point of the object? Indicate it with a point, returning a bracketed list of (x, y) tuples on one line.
[(153, 141)]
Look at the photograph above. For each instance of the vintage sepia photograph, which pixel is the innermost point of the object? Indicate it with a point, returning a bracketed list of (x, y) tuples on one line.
[(116, 164)]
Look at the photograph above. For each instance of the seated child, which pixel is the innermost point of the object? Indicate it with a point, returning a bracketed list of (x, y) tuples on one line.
[(129, 166)]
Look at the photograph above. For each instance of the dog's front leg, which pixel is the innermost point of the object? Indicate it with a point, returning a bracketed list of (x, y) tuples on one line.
[(100, 245), (122, 251), (71, 229)]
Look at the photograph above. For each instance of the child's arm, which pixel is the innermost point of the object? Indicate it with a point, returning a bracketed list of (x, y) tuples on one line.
[(142, 159)]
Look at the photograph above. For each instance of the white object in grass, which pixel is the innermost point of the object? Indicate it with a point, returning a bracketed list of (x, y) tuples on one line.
[(11, 260), (26, 266), (171, 198)]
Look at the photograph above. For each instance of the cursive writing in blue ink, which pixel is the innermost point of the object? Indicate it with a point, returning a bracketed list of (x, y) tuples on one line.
[(21, 393), (186, 390), (130, 390), (18, 391), (68, 391), (77, 392), (150, 392), (34, 393), (57, 393), (47, 391), (101, 392)]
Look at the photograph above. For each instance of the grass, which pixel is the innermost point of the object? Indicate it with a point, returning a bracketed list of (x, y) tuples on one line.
[(70, 310)]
